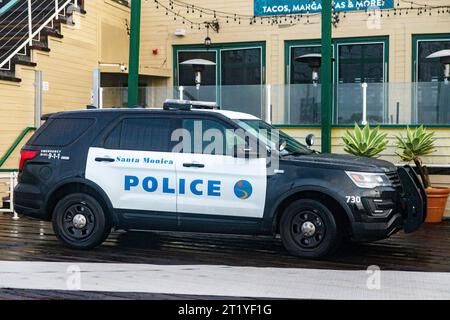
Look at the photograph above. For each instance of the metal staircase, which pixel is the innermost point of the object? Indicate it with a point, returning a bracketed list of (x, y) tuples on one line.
[(26, 26)]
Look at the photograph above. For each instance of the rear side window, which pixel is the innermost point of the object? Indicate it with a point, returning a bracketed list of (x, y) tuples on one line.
[(61, 132), (144, 134)]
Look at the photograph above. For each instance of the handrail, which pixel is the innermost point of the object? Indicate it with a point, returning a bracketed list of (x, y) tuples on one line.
[(8, 6), (33, 34), (13, 147)]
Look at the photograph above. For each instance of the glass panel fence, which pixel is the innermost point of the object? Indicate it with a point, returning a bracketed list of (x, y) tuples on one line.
[(300, 104)]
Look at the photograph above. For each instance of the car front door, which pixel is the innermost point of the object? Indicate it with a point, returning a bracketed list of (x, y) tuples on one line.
[(214, 182), (136, 169)]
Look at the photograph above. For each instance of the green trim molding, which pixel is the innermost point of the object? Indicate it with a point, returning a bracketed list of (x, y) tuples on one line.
[(349, 126), (14, 146)]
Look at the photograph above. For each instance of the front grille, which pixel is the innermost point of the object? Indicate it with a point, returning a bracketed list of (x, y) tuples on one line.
[(394, 178)]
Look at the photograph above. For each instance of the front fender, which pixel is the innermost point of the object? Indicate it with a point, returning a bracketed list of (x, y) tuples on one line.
[(307, 186)]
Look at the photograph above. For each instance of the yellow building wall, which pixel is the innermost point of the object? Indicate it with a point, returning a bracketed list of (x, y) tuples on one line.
[(99, 36), (158, 33)]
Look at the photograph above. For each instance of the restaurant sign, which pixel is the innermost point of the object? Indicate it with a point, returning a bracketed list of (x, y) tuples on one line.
[(283, 7)]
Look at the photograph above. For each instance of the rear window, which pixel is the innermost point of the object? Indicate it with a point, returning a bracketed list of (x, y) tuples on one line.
[(61, 132)]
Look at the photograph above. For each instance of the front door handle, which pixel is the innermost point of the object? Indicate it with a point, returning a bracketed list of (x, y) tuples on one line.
[(193, 165), (104, 159)]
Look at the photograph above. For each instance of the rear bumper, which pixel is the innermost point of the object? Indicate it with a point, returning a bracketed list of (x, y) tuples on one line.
[(28, 201)]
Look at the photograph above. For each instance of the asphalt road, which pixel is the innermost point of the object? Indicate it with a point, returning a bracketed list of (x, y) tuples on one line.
[(427, 250)]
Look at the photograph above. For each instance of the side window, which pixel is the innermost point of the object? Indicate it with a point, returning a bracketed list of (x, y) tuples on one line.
[(113, 139), (143, 134), (209, 137), (61, 132)]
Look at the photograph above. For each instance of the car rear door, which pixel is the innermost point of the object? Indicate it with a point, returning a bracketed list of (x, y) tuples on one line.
[(135, 167)]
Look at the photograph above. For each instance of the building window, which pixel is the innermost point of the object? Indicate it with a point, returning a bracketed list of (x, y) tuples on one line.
[(304, 97), (431, 94), (356, 61), (186, 77), (360, 62), (429, 70), (237, 65)]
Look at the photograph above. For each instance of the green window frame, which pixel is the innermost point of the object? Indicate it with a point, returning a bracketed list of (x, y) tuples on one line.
[(218, 48), (289, 44), (416, 38)]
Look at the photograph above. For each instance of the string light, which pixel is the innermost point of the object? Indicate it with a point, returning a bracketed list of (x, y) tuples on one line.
[(173, 5), (401, 7)]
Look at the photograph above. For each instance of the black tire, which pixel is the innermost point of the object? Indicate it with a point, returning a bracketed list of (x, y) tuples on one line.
[(303, 240), (97, 223)]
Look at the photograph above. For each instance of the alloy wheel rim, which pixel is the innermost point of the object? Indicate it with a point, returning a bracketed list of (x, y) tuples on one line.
[(78, 221), (308, 229)]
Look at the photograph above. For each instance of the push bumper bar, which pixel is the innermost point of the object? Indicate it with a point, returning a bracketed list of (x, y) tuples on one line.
[(414, 199)]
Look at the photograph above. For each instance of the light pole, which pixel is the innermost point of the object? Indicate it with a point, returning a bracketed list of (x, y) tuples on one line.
[(133, 73), (326, 78)]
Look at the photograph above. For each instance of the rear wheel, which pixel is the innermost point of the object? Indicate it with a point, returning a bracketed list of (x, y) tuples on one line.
[(80, 222), (309, 229)]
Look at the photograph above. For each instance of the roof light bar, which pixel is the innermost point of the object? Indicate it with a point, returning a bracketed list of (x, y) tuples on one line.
[(173, 104)]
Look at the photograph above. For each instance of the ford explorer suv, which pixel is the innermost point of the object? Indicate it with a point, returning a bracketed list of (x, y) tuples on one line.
[(91, 171)]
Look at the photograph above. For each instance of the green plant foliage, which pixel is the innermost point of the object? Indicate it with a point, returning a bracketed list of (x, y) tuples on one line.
[(365, 142), (416, 144)]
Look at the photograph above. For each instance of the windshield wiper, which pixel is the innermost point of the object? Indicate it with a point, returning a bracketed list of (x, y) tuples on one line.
[(296, 153)]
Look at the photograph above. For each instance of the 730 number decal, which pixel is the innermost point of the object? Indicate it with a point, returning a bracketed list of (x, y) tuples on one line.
[(353, 199)]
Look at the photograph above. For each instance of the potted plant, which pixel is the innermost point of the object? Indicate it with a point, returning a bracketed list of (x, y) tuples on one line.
[(416, 144), (365, 142)]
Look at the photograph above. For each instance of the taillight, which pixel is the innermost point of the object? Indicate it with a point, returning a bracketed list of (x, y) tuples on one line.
[(26, 155)]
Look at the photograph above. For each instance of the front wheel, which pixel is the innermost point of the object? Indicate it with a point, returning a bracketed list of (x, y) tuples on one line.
[(80, 222), (309, 229)]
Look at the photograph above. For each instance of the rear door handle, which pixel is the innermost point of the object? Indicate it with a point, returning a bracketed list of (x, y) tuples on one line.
[(193, 165), (104, 159)]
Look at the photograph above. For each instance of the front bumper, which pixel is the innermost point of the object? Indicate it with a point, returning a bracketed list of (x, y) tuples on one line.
[(385, 212), (372, 231)]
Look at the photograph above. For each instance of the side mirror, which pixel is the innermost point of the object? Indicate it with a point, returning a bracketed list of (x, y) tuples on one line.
[(310, 140), (282, 145)]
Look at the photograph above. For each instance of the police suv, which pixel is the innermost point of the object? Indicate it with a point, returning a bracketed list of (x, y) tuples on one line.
[(93, 170)]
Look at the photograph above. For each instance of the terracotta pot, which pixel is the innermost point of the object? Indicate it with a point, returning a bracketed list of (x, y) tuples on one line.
[(437, 201)]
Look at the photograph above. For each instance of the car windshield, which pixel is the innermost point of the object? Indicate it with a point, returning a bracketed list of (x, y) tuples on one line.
[(269, 138)]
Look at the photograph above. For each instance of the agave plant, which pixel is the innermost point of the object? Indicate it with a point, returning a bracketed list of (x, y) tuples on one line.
[(365, 142), (416, 144)]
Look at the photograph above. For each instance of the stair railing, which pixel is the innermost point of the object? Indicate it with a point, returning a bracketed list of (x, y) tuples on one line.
[(32, 30), (11, 180)]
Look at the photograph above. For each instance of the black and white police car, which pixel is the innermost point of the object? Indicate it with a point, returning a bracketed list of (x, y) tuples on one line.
[(90, 171)]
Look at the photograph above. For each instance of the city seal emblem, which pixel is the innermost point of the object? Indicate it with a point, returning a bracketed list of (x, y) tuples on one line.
[(243, 189)]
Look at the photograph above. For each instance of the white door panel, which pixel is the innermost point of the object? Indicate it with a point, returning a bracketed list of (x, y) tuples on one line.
[(136, 180), (238, 185)]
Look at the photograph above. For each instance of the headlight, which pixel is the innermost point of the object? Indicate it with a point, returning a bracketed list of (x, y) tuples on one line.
[(369, 180)]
